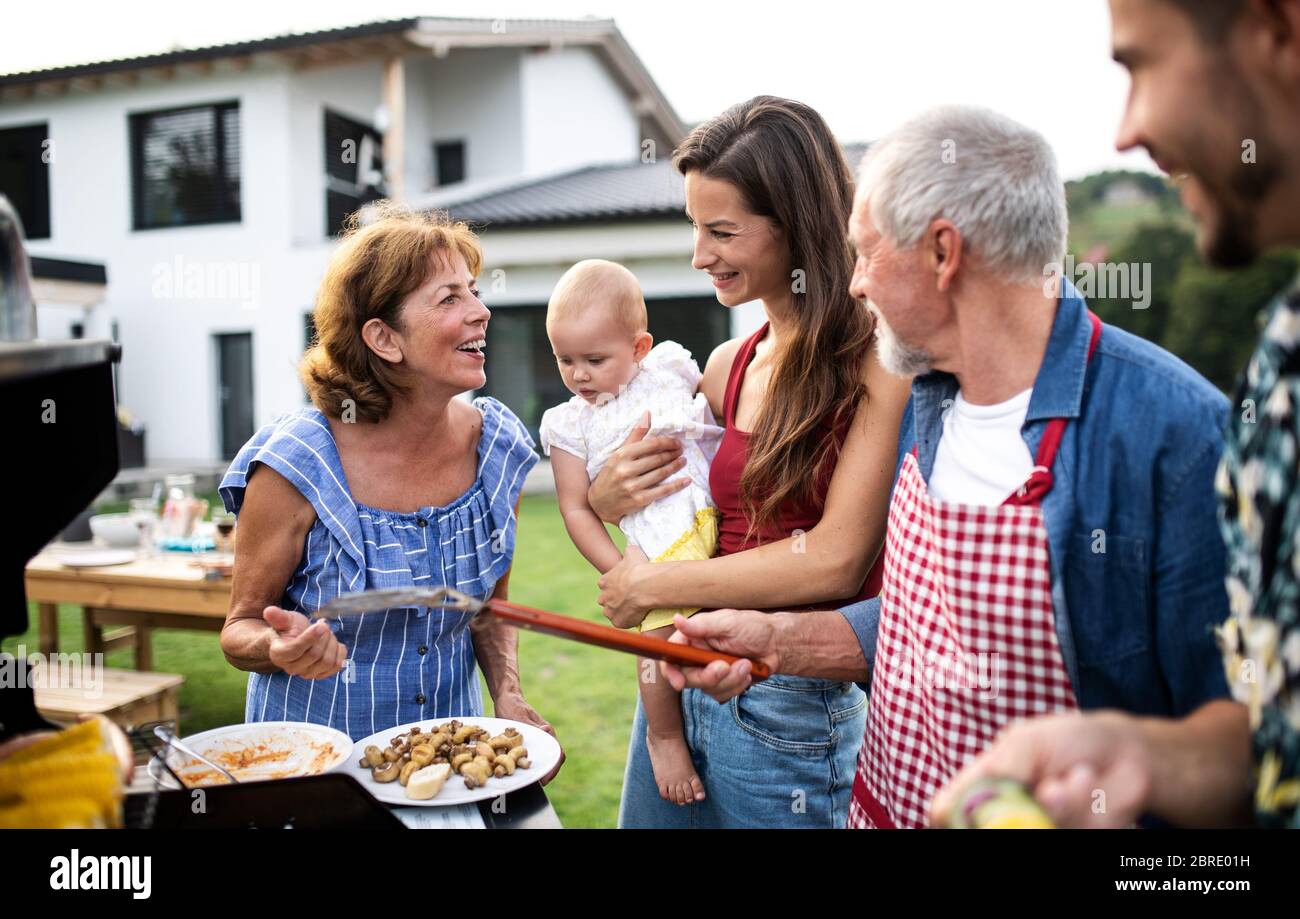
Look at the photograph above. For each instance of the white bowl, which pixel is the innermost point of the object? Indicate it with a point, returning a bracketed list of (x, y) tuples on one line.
[(273, 750), (116, 530)]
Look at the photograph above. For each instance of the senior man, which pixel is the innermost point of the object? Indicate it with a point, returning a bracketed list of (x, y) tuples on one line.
[(1214, 100), (1052, 541)]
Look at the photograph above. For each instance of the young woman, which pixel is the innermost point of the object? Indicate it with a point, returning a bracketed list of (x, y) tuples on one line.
[(801, 479)]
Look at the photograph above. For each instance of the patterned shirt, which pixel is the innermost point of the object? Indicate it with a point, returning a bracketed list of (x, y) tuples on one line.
[(403, 664), (1259, 491)]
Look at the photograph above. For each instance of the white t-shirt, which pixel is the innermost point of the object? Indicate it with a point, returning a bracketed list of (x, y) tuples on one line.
[(982, 458)]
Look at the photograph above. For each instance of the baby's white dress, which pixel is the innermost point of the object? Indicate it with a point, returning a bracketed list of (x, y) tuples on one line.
[(681, 525)]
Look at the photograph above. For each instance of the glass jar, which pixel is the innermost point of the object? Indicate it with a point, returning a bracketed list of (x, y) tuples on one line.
[(180, 509), (144, 513)]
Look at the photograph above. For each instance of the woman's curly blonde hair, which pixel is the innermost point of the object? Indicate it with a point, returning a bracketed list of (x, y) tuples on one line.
[(375, 268)]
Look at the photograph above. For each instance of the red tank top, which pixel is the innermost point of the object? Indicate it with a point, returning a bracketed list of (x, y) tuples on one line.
[(724, 483)]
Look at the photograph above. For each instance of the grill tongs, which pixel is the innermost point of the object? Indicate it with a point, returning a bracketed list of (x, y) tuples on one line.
[(535, 620)]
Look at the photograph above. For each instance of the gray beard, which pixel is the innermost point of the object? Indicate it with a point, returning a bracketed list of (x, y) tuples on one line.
[(898, 357)]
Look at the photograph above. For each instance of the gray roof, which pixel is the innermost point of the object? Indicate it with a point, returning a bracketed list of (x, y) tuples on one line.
[(210, 52), (619, 191), (410, 36), (609, 192)]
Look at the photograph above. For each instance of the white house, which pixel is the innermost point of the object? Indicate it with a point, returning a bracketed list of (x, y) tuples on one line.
[(209, 184)]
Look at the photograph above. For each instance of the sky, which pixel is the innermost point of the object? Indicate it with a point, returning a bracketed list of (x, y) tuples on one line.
[(864, 64)]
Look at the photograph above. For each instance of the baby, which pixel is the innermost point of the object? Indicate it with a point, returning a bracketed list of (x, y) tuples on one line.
[(596, 320)]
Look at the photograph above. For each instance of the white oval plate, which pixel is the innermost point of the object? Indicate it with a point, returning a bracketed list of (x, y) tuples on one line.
[(97, 558), (278, 749), (543, 750)]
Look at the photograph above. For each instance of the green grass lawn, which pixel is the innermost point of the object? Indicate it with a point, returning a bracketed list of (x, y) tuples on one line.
[(1112, 224), (587, 693)]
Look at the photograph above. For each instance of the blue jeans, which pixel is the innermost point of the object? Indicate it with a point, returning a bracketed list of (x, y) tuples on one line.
[(780, 756)]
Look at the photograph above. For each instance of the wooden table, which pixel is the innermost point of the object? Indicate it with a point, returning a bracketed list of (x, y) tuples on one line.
[(163, 592)]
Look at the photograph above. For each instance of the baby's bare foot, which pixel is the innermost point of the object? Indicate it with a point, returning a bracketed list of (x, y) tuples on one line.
[(674, 772)]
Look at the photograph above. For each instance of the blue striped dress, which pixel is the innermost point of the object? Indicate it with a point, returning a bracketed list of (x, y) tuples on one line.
[(403, 664)]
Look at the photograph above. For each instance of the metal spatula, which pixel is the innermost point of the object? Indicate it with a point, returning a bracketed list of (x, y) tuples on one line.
[(535, 620), (367, 601), (172, 741)]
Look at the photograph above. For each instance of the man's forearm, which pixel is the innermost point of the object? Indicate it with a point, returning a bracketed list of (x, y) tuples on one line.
[(1201, 766), (819, 644)]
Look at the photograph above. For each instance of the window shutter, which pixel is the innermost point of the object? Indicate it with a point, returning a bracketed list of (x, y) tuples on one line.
[(25, 177), (450, 159), (185, 166), (353, 168)]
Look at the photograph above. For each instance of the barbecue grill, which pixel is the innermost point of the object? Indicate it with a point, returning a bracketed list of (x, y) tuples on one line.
[(61, 422)]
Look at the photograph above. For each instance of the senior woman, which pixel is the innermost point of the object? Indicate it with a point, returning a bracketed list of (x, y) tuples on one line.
[(388, 480)]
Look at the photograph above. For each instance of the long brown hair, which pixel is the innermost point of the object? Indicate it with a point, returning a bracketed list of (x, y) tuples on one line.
[(788, 167)]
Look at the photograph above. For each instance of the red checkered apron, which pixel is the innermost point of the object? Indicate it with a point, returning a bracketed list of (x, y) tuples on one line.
[(967, 639)]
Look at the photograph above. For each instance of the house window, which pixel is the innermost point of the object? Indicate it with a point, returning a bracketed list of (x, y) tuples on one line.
[(25, 176), (354, 168), (185, 166), (449, 159)]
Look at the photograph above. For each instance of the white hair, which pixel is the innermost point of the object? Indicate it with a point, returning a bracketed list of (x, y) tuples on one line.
[(994, 178)]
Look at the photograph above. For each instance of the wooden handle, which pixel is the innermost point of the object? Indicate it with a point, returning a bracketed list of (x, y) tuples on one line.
[(605, 636)]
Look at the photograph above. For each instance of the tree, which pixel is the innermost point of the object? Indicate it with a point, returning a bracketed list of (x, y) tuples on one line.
[(1211, 319), (1217, 315), (1155, 255)]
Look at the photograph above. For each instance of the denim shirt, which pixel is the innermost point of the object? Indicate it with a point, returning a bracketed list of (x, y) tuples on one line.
[(1137, 558)]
